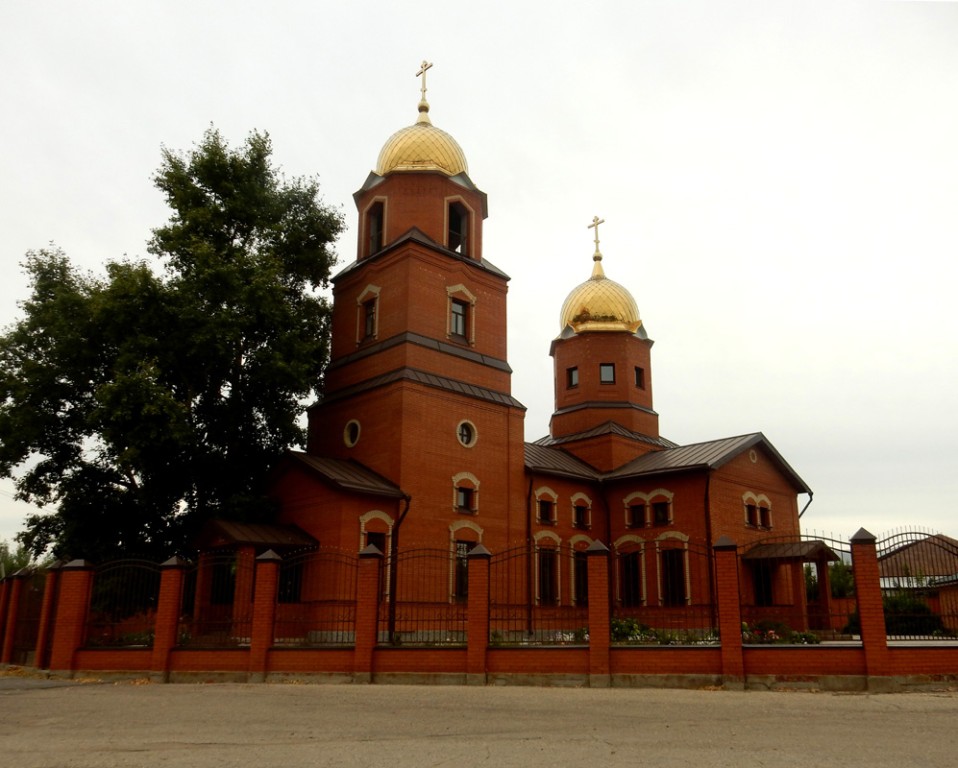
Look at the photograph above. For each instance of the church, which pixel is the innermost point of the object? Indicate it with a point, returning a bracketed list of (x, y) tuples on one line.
[(418, 442)]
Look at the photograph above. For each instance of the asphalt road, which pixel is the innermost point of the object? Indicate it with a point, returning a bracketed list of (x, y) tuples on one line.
[(64, 724)]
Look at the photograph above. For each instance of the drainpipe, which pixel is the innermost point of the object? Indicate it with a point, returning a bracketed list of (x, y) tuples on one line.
[(709, 542), (810, 495), (393, 567), (531, 575)]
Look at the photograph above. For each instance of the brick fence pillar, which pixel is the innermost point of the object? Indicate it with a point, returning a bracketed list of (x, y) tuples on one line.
[(48, 608), (729, 606), (600, 619), (264, 614), (167, 621), (76, 580), (368, 593), (871, 612), (14, 591), (477, 639)]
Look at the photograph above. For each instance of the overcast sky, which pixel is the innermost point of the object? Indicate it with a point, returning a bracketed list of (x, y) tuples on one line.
[(779, 183)]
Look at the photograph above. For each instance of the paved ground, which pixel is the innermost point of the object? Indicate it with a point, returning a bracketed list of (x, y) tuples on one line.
[(63, 724)]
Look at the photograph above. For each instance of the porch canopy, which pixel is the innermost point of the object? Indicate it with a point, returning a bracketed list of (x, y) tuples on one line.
[(806, 551)]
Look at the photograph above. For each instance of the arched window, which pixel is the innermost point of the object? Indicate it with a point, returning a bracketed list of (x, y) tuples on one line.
[(546, 500), (375, 224), (465, 493)]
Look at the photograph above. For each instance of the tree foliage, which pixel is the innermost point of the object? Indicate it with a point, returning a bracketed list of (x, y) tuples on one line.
[(140, 404)]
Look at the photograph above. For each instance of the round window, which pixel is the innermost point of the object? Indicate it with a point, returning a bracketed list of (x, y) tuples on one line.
[(466, 433), (351, 433)]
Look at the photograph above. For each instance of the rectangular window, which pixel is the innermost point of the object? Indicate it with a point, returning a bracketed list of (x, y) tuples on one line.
[(630, 573), (369, 319), (607, 373), (458, 228), (464, 499), (764, 517), (374, 225), (751, 515), (637, 516), (639, 377), (548, 572), (571, 377), (580, 562), (458, 317), (290, 581), (581, 516), (673, 577), (546, 511), (762, 583), (660, 513)]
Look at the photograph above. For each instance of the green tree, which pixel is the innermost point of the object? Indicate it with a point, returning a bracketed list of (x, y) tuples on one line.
[(12, 560), (141, 404)]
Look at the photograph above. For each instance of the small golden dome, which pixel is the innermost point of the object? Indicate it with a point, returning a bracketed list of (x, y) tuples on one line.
[(422, 147), (600, 304)]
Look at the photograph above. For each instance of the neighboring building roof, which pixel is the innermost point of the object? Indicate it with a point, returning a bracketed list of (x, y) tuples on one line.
[(935, 555), (348, 475), (792, 550), (227, 533)]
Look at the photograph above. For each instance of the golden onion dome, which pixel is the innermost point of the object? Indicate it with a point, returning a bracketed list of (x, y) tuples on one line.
[(422, 147), (600, 304)]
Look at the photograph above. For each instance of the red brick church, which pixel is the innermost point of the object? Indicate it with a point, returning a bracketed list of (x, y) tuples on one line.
[(418, 439)]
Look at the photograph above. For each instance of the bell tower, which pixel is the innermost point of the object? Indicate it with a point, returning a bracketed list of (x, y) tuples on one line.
[(418, 387), (603, 376)]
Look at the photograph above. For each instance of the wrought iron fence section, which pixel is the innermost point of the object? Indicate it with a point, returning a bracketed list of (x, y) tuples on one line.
[(425, 603), (663, 593), (918, 574), (316, 599), (538, 595), (123, 601), (217, 602)]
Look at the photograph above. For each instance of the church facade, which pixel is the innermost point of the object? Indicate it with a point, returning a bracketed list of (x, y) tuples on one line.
[(418, 441)]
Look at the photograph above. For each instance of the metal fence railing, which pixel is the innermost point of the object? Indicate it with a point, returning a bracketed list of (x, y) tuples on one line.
[(426, 601), (316, 599), (662, 593), (123, 603)]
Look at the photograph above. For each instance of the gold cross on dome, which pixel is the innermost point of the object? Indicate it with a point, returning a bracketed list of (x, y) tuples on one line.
[(596, 221), (422, 73)]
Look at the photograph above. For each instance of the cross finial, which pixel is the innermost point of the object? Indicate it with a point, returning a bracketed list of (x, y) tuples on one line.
[(422, 73), (596, 221)]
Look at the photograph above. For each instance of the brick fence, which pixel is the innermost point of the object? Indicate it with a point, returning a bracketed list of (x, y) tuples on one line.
[(869, 662)]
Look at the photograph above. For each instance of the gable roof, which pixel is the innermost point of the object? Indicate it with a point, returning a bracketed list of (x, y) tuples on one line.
[(705, 456), (541, 456), (348, 475)]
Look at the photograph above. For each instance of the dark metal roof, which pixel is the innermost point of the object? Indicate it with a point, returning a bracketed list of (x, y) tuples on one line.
[(792, 550), (416, 235), (457, 350), (606, 428), (429, 380), (225, 533), (710, 455), (552, 461), (349, 475)]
